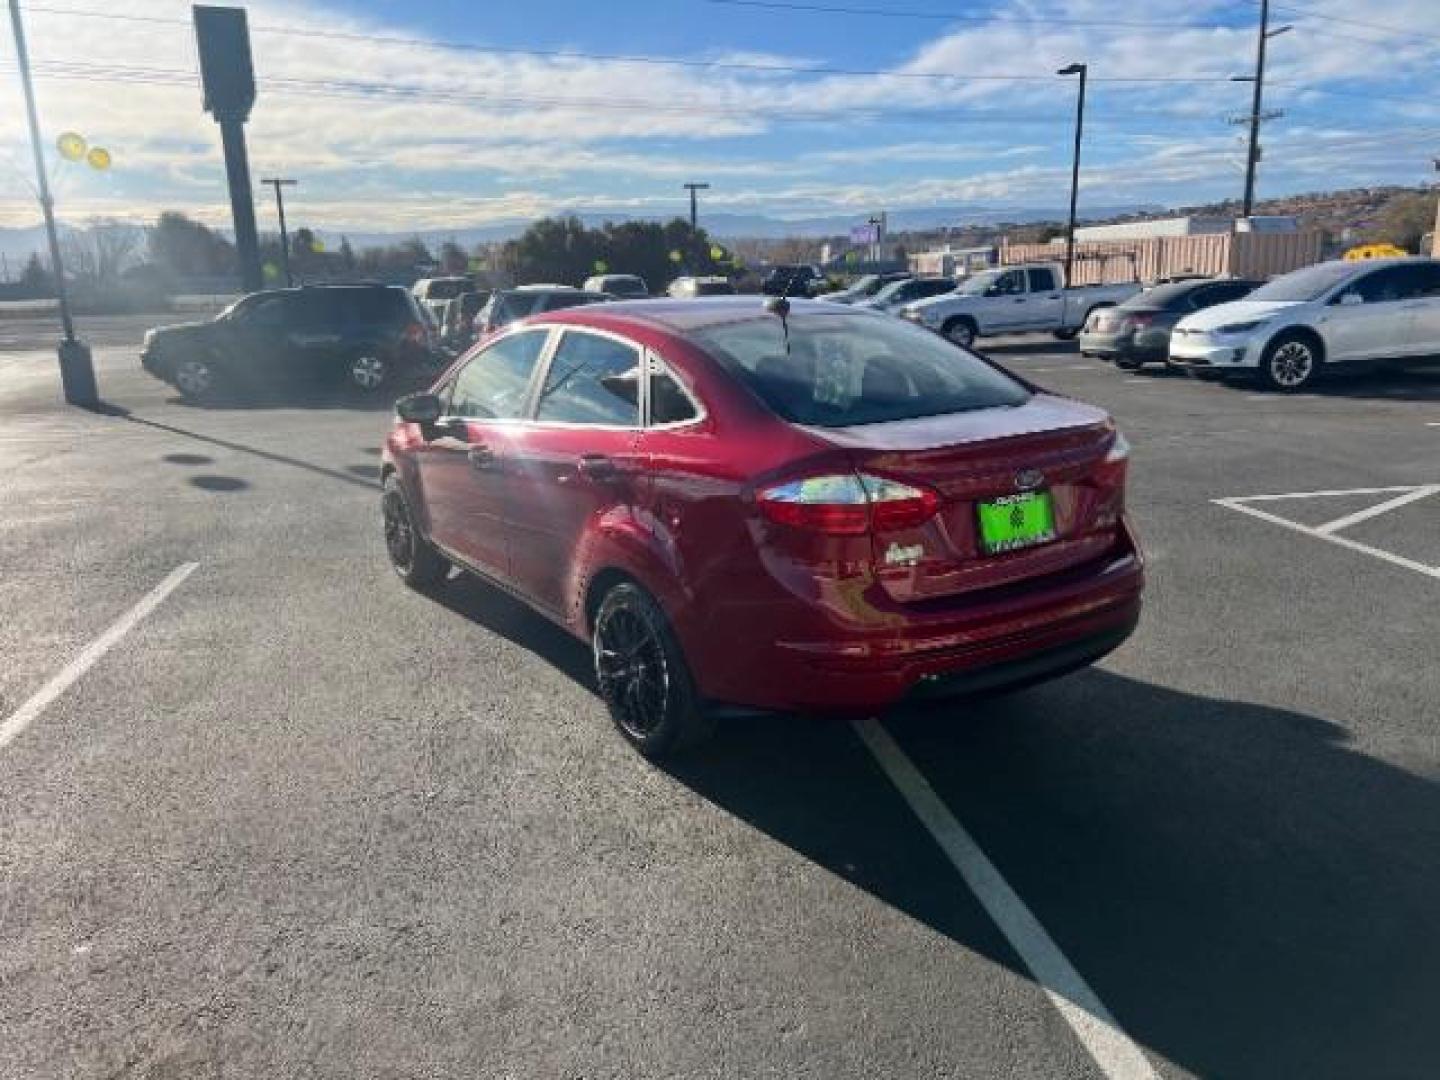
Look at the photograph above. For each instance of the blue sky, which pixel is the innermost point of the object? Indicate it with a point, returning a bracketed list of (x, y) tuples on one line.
[(387, 130)]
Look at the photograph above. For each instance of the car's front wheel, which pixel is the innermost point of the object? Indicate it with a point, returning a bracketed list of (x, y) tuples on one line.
[(1290, 363), (642, 675), (961, 331), (195, 378), (413, 557), (368, 372)]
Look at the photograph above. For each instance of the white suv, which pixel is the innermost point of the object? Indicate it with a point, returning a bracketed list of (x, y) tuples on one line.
[(1323, 315)]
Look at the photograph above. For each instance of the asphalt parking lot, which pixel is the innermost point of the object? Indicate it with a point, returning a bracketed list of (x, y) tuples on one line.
[(295, 820)]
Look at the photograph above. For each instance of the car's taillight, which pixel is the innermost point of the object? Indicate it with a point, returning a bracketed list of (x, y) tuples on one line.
[(1139, 321), (1110, 482), (848, 504)]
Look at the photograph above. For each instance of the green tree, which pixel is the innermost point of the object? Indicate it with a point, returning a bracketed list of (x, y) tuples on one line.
[(180, 247), (347, 255), (453, 259)]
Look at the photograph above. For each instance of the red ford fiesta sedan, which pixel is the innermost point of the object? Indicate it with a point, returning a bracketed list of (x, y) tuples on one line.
[(765, 505)]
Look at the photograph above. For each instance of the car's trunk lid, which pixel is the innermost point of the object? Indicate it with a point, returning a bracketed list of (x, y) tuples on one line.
[(1049, 444)]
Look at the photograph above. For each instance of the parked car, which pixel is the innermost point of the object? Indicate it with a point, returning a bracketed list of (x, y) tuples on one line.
[(1015, 300), (865, 287), (1290, 331), (507, 305), (434, 293), (620, 286), (373, 336), (798, 280), (687, 288), (897, 294), (457, 326), (1138, 331), (826, 512)]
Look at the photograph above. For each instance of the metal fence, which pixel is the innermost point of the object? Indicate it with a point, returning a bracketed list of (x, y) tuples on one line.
[(1251, 255)]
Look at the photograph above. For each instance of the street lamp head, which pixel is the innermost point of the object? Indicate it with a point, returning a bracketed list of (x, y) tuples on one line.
[(1279, 30), (1073, 69)]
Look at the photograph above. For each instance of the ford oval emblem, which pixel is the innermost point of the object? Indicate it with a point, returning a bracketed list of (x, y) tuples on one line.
[(1029, 479)]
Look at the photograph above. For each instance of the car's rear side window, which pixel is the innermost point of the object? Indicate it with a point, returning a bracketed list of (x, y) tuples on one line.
[(841, 370), (591, 380), (494, 383)]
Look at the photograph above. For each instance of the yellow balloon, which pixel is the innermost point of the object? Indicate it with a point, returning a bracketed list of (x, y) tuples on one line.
[(71, 146), (717, 253), (98, 158), (676, 257)]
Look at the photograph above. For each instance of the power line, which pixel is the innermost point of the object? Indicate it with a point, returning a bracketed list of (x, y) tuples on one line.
[(622, 58), (939, 16), (686, 62), (1384, 28)]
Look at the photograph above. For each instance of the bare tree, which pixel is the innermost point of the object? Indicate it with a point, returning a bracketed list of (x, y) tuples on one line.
[(102, 249)]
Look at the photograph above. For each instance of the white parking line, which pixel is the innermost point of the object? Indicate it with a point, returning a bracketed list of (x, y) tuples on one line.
[(22, 717), (1113, 1051), (1240, 504), (1376, 510)]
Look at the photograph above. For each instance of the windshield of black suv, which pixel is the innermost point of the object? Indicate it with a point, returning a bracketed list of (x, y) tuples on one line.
[(845, 369), (1310, 283)]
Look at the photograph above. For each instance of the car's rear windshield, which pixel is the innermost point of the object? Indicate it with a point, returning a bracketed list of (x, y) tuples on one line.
[(1163, 297), (847, 369), (1310, 283)]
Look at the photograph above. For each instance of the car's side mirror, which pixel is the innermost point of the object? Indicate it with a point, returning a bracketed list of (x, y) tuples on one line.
[(419, 408), (1348, 299)]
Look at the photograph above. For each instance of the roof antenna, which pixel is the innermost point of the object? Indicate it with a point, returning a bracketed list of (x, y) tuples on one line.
[(780, 305)]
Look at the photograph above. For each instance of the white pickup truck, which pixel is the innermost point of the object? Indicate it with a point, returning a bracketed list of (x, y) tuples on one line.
[(1015, 300)]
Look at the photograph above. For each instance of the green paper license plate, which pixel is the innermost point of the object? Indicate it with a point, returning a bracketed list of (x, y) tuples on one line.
[(1016, 521)]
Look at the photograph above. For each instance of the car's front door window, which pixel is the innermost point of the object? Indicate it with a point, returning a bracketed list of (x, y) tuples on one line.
[(495, 384), (591, 380)]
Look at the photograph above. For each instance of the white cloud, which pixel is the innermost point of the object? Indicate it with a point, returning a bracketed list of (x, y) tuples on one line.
[(494, 140)]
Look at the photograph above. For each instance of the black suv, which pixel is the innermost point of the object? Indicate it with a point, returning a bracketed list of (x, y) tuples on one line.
[(371, 336), (799, 280)]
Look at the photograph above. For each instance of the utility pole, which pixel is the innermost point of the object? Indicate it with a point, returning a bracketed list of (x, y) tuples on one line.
[(77, 371), (694, 206), (1252, 157), (1083, 71), (277, 183)]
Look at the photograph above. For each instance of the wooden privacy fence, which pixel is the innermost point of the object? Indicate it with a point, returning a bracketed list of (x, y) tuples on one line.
[(1249, 255)]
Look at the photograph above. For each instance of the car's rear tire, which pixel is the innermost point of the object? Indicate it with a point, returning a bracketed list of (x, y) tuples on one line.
[(1128, 365), (962, 331), (1066, 334), (368, 373), (1291, 363), (643, 677), (413, 557)]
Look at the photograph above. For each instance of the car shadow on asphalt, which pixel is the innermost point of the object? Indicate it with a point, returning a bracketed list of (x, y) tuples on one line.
[(1249, 895), (359, 475), (1036, 346)]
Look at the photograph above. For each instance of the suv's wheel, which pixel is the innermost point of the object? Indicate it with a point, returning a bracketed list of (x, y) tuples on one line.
[(961, 331), (413, 557), (643, 676), (368, 372), (195, 379), (1290, 363), (1067, 333)]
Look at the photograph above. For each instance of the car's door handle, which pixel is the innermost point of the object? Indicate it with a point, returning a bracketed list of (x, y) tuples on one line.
[(1019, 299), (598, 467), (481, 458)]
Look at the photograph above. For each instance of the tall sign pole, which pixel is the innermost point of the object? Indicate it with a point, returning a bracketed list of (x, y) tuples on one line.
[(1083, 70), (77, 371), (222, 37)]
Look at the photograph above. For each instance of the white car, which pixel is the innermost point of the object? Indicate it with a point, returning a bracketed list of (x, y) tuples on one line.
[(1015, 300), (1323, 316)]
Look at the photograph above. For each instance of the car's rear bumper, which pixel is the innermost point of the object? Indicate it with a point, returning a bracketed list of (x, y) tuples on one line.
[(990, 645), (1131, 347)]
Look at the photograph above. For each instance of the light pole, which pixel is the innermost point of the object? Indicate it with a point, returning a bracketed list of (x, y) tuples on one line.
[(1252, 156), (77, 371), (1083, 71), (277, 183), (694, 207)]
